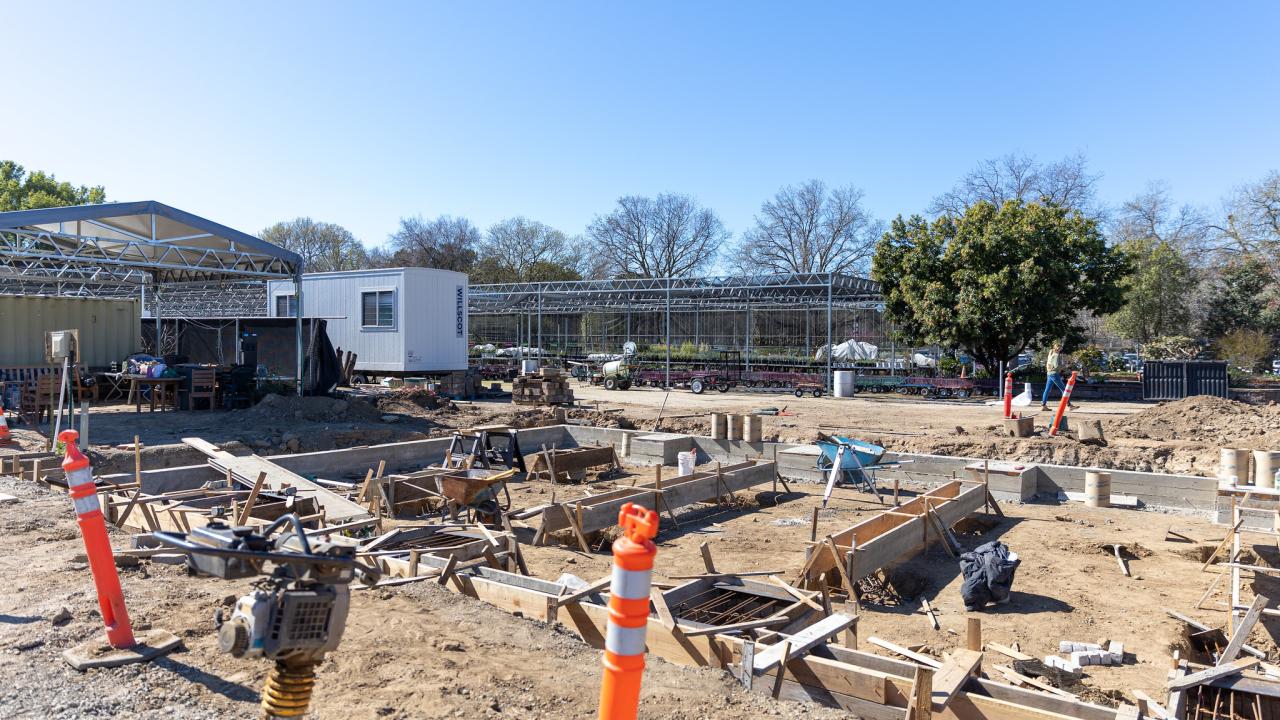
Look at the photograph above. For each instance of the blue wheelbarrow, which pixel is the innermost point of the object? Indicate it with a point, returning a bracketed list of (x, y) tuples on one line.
[(849, 460)]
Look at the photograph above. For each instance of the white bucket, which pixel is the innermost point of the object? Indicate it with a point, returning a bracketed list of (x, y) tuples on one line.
[(685, 461), (528, 367), (845, 383), (1265, 463), (1097, 488)]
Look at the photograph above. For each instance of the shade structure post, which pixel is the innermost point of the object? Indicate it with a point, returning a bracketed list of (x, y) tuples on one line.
[(297, 322), (831, 351), (667, 381)]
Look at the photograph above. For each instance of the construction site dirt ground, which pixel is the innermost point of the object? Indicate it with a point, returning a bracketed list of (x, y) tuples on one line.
[(419, 651)]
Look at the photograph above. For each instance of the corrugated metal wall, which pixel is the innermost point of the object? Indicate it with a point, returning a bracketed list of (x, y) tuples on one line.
[(1177, 379), (109, 329)]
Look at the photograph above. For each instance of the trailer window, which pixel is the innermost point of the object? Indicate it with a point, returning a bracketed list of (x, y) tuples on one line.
[(377, 308), (286, 306)]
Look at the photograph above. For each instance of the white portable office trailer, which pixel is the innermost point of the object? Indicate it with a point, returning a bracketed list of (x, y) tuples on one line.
[(398, 320)]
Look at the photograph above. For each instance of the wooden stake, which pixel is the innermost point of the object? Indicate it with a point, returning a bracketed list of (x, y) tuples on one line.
[(973, 634), (782, 669), (243, 519), (920, 704), (705, 549), (813, 528)]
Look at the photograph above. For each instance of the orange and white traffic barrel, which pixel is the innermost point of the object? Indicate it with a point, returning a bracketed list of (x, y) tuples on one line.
[(4, 425), (624, 642), (96, 545)]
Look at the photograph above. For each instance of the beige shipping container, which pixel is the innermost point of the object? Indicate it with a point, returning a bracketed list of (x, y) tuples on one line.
[(108, 328)]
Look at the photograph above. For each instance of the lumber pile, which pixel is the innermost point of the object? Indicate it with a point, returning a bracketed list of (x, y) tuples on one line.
[(346, 366), (546, 387)]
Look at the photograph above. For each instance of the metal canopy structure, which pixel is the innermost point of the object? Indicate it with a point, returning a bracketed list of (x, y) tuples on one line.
[(110, 249), (654, 294), (803, 291), (115, 250)]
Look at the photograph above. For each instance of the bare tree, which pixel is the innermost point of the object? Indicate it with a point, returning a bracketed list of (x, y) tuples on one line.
[(323, 246), (667, 236), (1015, 176), (522, 250), (446, 242), (1252, 223), (1152, 215), (810, 229)]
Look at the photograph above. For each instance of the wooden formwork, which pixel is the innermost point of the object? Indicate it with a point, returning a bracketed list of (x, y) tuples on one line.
[(858, 551), (568, 462), (871, 686), (598, 512)]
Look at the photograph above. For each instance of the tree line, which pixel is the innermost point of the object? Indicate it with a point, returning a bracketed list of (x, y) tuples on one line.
[(1017, 254), (803, 228)]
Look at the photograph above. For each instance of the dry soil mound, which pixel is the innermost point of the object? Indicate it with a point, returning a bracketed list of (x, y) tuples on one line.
[(313, 409), (1205, 419)]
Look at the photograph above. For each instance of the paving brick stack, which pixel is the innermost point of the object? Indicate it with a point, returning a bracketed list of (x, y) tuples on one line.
[(461, 385), (546, 387)]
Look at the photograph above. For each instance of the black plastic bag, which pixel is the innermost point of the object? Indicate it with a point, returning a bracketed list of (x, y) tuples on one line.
[(988, 575)]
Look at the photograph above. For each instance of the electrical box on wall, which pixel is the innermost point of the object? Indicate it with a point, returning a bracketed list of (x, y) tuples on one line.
[(62, 345)]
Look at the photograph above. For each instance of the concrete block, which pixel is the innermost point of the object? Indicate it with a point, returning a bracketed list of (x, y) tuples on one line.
[(660, 447), (1020, 427), (1008, 481), (1054, 661), (1090, 431)]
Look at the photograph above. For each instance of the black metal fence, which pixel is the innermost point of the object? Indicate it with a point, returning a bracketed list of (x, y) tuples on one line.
[(1177, 379)]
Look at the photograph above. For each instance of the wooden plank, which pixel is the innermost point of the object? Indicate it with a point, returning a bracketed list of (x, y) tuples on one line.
[(1008, 651), (1242, 630), (337, 509), (1213, 673), (1156, 708), (585, 592), (920, 702), (1017, 677), (800, 642), (928, 611), (1204, 628), (953, 675), (245, 511), (795, 593), (857, 707), (922, 659)]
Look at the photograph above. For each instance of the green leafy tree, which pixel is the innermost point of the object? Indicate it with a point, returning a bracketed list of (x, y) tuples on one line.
[(997, 279), (324, 247), (1156, 295), (20, 190), (1245, 297)]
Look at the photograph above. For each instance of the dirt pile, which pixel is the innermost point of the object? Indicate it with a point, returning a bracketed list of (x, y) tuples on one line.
[(415, 402), (1204, 419), (311, 409)]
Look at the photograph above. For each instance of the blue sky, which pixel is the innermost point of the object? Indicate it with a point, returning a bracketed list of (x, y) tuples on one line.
[(361, 113)]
